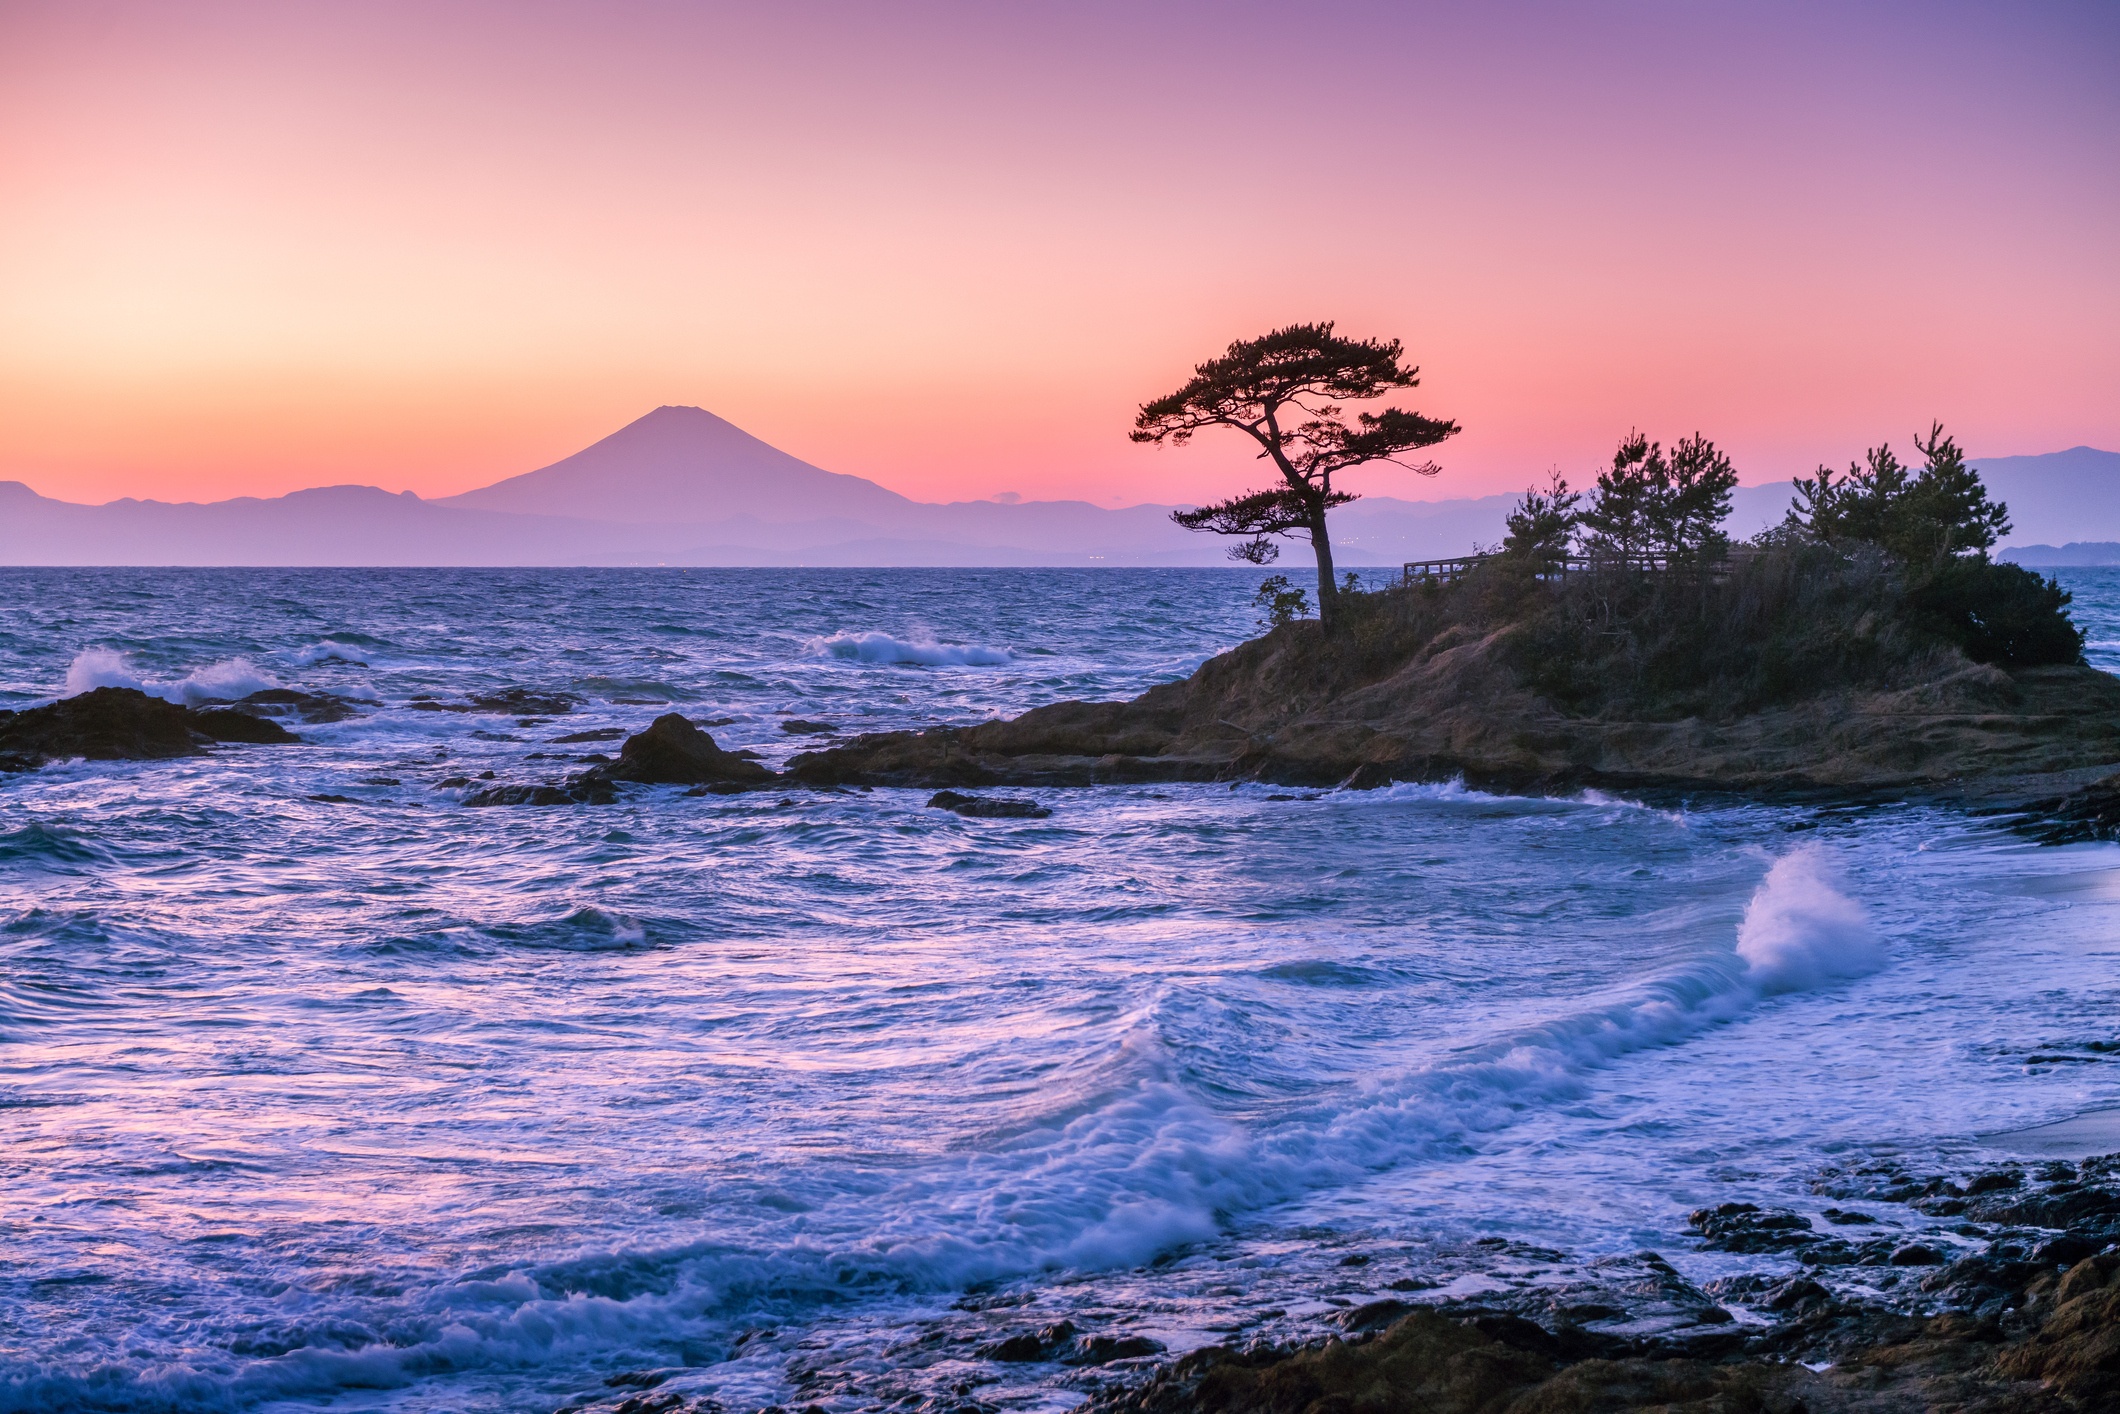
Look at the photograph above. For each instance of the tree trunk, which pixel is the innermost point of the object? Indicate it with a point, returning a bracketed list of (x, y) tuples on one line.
[(1328, 592)]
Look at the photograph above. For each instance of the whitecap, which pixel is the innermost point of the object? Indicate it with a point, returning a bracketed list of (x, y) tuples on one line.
[(225, 681), (875, 647)]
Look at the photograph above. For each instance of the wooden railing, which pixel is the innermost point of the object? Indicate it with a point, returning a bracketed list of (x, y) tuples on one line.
[(1447, 570)]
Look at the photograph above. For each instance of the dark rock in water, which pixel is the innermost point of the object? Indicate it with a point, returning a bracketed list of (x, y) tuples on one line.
[(314, 708), (1104, 1349), (597, 734), (796, 726), (123, 724), (1916, 1254), (334, 799), (674, 752), (108, 724), (2092, 813), (1744, 1227), (1023, 1348), (987, 807), (528, 795), (228, 724), (521, 702), (424, 703)]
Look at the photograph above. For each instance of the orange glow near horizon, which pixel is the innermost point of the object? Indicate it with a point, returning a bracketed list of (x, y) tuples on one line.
[(249, 248)]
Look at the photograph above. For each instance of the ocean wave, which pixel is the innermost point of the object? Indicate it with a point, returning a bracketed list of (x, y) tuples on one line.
[(874, 647), (227, 681), (1145, 1168), (329, 650)]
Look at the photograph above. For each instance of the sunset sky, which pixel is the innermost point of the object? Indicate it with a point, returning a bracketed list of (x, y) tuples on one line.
[(251, 247)]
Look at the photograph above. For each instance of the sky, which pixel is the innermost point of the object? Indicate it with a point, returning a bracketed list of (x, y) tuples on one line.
[(251, 247)]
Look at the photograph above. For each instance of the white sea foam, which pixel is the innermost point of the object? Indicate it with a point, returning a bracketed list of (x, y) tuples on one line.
[(329, 651), (226, 681), (1801, 931), (874, 647)]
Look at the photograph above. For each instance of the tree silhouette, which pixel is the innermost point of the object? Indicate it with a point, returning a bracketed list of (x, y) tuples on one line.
[(1284, 392)]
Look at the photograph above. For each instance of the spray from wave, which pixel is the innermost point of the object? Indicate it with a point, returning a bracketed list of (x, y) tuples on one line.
[(924, 651), (224, 681)]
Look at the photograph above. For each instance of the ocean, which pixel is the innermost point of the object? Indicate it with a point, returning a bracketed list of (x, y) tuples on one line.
[(321, 1090)]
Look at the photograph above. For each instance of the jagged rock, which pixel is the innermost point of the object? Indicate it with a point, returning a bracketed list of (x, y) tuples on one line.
[(313, 708), (1744, 1227), (523, 795), (2092, 813), (796, 726), (228, 724), (987, 807), (1407, 704), (123, 724), (674, 752)]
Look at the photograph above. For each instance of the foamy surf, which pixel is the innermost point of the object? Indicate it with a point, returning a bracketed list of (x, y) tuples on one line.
[(226, 681), (875, 647), (1145, 1170)]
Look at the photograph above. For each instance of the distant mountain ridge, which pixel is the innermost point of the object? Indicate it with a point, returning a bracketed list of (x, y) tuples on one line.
[(681, 486)]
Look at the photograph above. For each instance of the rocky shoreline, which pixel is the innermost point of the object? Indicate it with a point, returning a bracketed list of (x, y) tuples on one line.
[(1279, 709), (2042, 744), (1994, 1290)]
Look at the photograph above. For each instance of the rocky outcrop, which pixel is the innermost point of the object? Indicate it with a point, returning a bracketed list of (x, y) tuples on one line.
[(2091, 813), (2030, 1321), (123, 724), (1292, 708), (674, 752), (987, 807)]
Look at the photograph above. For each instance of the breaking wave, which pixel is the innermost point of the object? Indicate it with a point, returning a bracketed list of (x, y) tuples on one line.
[(225, 681), (1146, 1168), (876, 647)]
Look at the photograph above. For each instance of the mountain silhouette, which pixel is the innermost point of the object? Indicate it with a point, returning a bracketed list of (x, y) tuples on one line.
[(684, 487), (685, 464)]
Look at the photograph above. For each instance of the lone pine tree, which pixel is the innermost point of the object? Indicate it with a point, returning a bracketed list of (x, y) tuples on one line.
[(1285, 391)]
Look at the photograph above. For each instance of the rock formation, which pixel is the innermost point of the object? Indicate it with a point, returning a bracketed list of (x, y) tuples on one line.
[(123, 724)]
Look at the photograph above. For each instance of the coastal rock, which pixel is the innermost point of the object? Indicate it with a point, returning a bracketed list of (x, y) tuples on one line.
[(123, 724), (1294, 708), (987, 807), (312, 708), (2092, 813), (674, 752), (228, 724), (524, 795), (796, 726)]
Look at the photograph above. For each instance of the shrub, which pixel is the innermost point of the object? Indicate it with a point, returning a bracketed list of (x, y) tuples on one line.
[(1999, 613)]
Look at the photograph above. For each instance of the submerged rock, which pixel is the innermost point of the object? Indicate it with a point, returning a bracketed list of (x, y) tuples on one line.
[(521, 702), (123, 724), (313, 708), (987, 807), (674, 752), (796, 726)]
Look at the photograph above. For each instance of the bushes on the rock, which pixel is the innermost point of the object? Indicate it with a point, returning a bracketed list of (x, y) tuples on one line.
[(1999, 613)]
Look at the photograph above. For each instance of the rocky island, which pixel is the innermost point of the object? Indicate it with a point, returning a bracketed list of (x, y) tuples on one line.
[(1786, 671)]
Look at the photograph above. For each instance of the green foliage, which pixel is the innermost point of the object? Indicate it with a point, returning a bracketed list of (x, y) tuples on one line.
[(1280, 601), (1646, 503), (1542, 524), (1923, 519), (2000, 613)]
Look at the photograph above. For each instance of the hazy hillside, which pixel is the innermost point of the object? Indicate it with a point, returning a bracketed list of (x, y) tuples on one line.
[(684, 487)]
